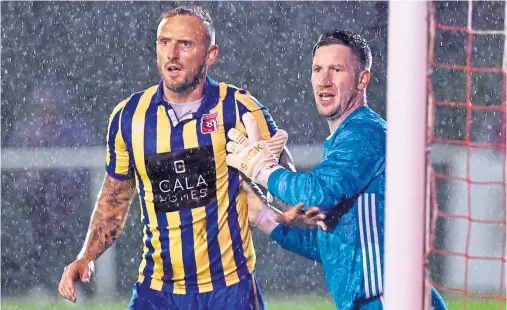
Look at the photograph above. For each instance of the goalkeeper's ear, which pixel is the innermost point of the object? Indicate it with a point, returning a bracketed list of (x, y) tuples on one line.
[(364, 79), (252, 130)]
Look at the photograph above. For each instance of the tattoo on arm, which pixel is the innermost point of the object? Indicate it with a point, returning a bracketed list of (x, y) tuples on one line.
[(108, 217)]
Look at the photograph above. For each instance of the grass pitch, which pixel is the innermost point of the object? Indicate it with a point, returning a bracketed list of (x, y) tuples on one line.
[(272, 303)]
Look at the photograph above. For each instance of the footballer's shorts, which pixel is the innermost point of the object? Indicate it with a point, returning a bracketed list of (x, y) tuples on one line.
[(244, 295), (437, 303)]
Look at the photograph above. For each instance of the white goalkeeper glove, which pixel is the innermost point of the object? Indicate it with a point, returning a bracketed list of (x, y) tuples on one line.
[(254, 157)]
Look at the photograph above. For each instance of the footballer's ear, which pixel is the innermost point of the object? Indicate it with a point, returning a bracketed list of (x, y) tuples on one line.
[(364, 79), (212, 54)]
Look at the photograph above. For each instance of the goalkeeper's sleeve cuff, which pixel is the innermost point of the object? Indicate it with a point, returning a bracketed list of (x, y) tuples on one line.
[(278, 234), (262, 173), (274, 180)]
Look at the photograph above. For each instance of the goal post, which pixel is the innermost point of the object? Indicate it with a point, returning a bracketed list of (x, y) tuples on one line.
[(406, 155)]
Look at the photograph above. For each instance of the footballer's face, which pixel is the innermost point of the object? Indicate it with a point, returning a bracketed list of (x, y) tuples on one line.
[(183, 52), (335, 80)]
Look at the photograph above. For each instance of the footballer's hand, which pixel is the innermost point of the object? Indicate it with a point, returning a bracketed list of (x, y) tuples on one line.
[(296, 216), (252, 155), (80, 269)]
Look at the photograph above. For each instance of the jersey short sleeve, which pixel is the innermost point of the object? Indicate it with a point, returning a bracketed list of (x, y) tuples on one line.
[(118, 160), (247, 103)]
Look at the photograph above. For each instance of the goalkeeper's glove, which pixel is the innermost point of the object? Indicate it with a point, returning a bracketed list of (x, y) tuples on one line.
[(254, 157)]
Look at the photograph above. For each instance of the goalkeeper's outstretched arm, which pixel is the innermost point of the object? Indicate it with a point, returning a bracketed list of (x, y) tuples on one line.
[(352, 162), (302, 241)]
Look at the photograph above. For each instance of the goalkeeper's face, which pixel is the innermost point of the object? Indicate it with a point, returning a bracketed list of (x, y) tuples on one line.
[(183, 52), (335, 80)]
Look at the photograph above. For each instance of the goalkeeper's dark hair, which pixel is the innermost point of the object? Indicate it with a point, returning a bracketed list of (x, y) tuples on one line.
[(198, 12), (355, 42)]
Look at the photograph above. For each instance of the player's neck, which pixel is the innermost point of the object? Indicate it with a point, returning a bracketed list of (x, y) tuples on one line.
[(184, 97), (334, 123)]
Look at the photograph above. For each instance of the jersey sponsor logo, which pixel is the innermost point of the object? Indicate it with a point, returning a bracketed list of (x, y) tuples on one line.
[(182, 179), (179, 166), (209, 123)]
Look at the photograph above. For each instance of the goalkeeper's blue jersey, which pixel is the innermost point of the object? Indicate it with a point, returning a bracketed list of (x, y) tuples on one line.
[(349, 185)]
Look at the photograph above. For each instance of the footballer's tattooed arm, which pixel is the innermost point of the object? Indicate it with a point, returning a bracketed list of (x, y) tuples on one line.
[(108, 217), (107, 222)]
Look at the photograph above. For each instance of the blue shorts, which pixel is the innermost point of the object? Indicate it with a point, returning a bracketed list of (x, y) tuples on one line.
[(244, 295), (437, 303)]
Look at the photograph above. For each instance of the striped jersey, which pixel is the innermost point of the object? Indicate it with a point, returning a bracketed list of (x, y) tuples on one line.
[(196, 233)]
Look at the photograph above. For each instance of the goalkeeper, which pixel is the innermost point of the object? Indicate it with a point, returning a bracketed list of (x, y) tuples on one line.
[(347, 185)]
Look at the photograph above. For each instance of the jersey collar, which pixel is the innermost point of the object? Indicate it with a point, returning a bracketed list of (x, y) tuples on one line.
[(209, 100), (347, 120)]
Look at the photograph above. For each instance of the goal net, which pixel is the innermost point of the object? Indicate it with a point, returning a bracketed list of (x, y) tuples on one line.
[(466, 188)]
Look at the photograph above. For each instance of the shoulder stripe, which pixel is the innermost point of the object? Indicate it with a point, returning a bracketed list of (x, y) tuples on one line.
[(248, 101)]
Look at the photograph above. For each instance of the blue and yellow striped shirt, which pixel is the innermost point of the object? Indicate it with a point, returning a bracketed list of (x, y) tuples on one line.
[(196, 234)]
